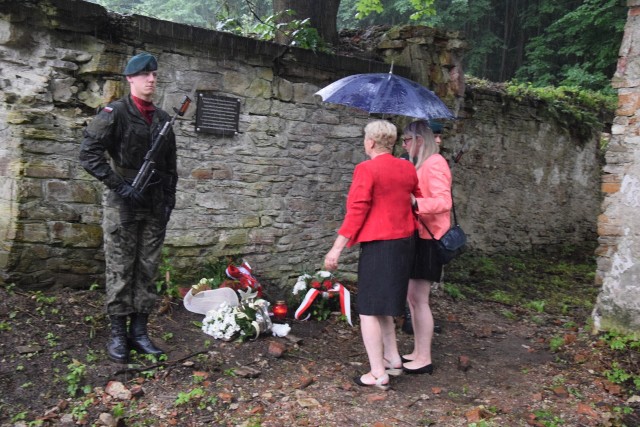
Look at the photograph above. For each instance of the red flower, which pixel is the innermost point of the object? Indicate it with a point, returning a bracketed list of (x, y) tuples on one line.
[(327, 284), (315, 284)]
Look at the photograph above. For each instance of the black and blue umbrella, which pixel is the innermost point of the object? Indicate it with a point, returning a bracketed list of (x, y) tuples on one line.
[(386, 93)]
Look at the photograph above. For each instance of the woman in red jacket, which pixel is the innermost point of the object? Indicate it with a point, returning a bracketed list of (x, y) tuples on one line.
[(379, 217), (434, 209)]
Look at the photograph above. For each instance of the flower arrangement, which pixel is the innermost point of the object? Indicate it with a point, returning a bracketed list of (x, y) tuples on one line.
[(240, 277), (247, 320), (320, 295)]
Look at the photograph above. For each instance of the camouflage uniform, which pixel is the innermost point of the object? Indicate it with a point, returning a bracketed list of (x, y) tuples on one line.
[(133, 233)]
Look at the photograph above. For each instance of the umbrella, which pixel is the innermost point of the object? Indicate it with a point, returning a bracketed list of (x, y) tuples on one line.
[(386, 93)]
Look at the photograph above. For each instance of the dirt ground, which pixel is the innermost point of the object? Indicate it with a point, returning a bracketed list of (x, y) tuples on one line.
[(490, 370)]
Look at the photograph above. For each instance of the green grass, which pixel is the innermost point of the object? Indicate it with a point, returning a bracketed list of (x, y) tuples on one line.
[(558, 283)]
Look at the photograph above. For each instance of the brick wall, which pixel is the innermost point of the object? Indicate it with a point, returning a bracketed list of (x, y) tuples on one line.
[(618, 273)]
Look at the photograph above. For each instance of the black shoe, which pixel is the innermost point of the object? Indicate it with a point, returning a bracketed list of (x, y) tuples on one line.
[(426, 369), (117, 347), (138, 337)]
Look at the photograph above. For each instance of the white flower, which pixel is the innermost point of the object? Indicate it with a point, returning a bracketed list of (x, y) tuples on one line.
[(221, 323), (323, 274), (299, 286), (247, 295), (279, 330)]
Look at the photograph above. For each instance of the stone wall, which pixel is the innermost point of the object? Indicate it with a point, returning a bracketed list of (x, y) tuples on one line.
[(618, 305), (525, 181), (275, 192)]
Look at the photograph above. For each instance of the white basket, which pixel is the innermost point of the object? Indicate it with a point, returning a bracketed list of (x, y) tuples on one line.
[(209, 300)]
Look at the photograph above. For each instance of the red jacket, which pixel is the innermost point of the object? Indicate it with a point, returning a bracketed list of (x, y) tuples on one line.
[(379, 200)]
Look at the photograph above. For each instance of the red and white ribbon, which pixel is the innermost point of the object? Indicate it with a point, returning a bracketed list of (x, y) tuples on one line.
[(244, 275), (312, 294)]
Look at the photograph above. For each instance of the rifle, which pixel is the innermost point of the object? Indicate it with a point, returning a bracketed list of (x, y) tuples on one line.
[(147, 170)]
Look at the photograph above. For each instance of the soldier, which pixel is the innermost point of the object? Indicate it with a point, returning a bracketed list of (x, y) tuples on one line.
[(134, 222)]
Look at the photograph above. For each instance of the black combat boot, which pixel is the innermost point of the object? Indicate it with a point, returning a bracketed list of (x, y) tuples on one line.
[(138, 338), (117, 347)]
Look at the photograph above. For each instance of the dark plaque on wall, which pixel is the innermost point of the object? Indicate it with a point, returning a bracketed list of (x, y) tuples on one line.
[(217, 114)]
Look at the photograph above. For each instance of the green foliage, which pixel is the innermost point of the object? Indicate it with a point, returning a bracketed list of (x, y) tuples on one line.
[(546, 42), (501, 297), (626, 357), (92, 321), (80, 411), (536, 305), (547, 419), (201, 13), (118, 410), (214, 270), (365, 13), (186, 398), (581, 99), (76, 373), (453, 291), (166, 284), (365, 7), (551, 283), (417, 9), (580, 109), (621, 342), (617, 375), (578, 49), (196, 397), (508, 314), (555, 343)]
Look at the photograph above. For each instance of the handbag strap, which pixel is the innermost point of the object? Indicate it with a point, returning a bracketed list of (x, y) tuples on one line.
[(455, 218)]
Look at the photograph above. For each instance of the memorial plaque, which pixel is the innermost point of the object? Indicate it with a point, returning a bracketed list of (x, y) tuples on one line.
[(217, 114)]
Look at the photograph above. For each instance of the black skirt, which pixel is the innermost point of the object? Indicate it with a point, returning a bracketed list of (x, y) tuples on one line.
[(383, 276), (426, 265)]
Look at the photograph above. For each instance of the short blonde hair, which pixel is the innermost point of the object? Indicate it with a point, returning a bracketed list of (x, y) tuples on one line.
[(383, 133)]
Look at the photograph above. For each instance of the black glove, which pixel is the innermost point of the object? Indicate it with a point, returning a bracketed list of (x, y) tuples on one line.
[(127, 192)]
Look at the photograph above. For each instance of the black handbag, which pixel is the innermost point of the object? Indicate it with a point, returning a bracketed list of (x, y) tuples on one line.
[(452, 243)]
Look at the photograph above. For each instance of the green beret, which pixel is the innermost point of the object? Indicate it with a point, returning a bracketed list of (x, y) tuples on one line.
[(436, 127), (141, 62)]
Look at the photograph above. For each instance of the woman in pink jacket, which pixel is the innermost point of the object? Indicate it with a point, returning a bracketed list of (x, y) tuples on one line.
[(434, 209)]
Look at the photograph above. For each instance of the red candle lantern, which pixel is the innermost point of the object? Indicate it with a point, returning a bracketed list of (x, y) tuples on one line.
[(280, 310)]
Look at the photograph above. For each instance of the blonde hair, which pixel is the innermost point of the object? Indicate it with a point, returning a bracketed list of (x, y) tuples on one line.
[(383, 133), (421, 128)]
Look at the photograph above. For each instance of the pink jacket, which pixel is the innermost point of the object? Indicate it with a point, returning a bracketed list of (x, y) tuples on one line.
[(434, 208)]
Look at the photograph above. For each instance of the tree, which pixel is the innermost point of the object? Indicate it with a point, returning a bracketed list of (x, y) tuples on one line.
[(578, 49), (321, 13)]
